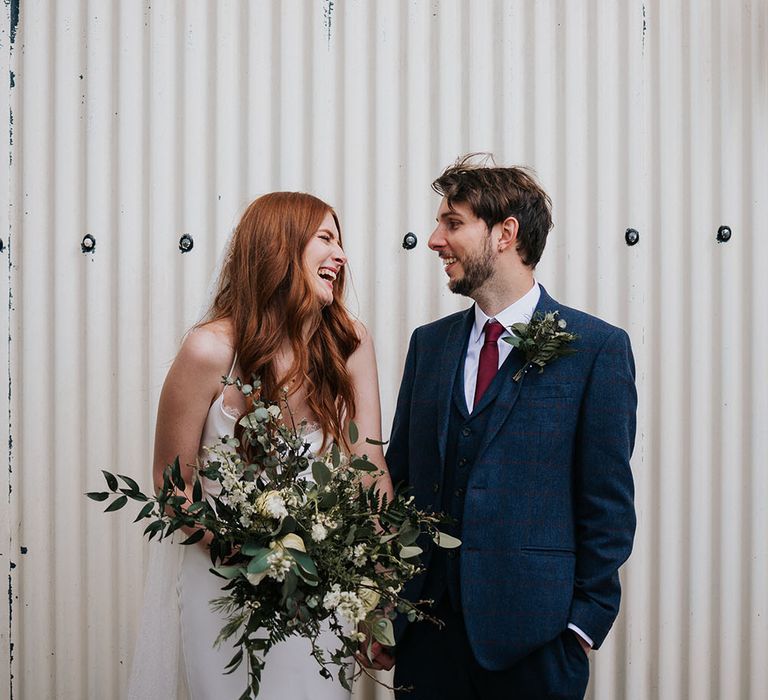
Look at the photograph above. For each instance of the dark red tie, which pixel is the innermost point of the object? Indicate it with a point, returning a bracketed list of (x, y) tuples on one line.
[(489, 358)]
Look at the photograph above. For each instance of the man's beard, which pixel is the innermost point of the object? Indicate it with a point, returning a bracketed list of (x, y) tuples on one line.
[(477, 269)]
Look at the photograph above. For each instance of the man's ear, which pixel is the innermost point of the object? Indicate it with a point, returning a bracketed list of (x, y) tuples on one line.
[(508, 234)]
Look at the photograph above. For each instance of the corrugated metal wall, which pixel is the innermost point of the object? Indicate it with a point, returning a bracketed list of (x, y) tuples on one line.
[(138, 122)]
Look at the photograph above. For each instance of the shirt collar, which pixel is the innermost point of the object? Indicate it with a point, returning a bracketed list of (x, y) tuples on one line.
[(518, 312)]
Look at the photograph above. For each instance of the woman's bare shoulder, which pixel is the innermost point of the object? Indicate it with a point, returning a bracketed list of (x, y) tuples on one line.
[(208, 346), (362, 332)]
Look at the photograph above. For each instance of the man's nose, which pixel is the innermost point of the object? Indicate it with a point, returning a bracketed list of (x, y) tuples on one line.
[(436, 240)]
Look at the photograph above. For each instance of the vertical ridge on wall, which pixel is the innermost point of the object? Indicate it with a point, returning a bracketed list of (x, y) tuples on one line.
[(137, 123), (8, 226), (95, 385), (757, 205)]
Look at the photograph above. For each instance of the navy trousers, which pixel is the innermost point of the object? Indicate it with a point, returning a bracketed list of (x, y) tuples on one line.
[(438, 664)]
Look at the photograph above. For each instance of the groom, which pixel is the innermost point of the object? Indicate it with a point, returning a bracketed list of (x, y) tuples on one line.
[(535, 472)]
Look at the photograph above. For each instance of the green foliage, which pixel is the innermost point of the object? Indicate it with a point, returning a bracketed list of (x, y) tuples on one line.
[(292, 551), (541, 341)]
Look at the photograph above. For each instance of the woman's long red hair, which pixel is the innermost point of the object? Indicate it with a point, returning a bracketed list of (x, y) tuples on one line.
[(268, 295)]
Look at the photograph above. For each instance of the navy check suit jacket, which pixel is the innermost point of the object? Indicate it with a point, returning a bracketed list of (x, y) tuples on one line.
[(548, 514)]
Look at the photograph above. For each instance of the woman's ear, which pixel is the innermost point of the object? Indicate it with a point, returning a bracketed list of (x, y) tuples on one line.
[(508, 234)]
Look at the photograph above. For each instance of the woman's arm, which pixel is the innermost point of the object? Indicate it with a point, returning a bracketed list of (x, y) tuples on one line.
[(362, 368), (192, 384)]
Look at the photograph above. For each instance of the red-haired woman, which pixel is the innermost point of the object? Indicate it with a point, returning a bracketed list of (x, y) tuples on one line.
[(278, 313)]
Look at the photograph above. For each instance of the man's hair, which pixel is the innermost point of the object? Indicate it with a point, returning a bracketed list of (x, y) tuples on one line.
[(494, 194)]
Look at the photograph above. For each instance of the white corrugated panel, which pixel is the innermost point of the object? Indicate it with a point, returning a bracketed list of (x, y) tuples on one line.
[(139, 122)]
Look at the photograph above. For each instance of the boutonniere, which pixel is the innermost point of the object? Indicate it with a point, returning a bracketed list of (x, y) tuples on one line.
[(541, 341)]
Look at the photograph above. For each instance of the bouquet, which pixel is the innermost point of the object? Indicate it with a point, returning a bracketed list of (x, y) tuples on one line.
[(294, 552)]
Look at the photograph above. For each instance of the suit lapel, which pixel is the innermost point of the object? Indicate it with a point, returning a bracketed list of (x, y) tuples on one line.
[(453, 353), (509, 391)]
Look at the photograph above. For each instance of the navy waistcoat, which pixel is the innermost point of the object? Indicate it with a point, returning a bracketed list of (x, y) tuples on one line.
[(465, 432)]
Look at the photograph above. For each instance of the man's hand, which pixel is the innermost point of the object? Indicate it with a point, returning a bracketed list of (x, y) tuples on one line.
[(583, 643), (380, 660)]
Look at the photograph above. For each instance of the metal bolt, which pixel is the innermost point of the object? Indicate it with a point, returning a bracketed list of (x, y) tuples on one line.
[(2, 245), (724, 234), (410, 241), (186, 243), (631, 236), (88, 244)]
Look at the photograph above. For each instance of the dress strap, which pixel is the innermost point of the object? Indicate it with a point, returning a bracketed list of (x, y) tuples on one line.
[(232, 368), (229, 374)]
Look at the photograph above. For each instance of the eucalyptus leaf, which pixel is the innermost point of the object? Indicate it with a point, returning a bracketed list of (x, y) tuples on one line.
[(145, 511), (353, 432), (134, 495), (371, 441), (327, 499), (446, 541), (260, 414), (259, 563), (305, 562), (408, 534), (363, 464), (384, 632), (321, 474), (154, 527), (235, 661), (252, 548), (117, 504), (290, 584), (228, 572), (111, 480), (196, 536), (98, 495), (130, 482), (410, 552)]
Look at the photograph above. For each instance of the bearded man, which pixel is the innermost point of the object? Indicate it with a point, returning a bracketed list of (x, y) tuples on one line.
[(532, 466)]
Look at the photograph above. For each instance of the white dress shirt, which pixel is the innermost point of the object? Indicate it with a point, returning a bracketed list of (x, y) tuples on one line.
[(519, 312)]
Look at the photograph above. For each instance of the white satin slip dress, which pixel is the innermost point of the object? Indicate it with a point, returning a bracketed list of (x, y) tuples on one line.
[(290, 672)]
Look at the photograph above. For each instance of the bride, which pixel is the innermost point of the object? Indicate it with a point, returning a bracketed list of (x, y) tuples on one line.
[(278, 312)]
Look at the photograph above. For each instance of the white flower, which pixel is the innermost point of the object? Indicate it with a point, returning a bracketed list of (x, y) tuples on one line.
[(319, 533), (274, 411), (351, 608), (332, 598), (357, 554), (347, 604), (280, 563), (271, 505)]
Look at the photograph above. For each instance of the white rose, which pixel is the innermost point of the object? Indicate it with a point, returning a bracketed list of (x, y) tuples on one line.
[(270, 504)]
